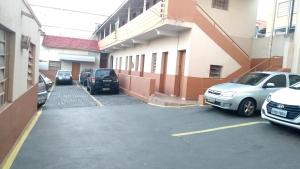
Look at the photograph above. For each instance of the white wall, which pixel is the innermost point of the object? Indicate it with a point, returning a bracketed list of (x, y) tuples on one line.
[(238, 21), (206, 52), (160, 45), (11, 19), (53, 55)]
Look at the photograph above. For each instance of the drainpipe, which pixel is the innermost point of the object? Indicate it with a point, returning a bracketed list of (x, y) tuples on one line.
[(291, 15), (272, 32)]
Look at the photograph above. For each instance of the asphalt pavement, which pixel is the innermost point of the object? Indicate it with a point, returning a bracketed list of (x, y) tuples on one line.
[(125, 133)]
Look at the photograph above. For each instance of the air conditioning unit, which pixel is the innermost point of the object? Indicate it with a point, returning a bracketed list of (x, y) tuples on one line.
[(25, 42)]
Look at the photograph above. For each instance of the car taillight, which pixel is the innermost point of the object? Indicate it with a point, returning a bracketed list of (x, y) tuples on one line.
[(93, 80)]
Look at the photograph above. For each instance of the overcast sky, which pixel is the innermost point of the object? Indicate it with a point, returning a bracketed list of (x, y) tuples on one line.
[(55, 22)]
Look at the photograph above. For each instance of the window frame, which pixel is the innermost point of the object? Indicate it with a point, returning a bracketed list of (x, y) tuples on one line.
[(268, 81), (216, 4), (218, 68)]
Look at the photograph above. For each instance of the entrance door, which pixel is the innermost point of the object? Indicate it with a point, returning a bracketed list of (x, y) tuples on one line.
[(142, 65), (180, 74), (75, 70), (163, 75)]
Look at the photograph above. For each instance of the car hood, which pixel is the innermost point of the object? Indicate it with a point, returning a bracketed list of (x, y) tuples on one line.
[(224, 87), (287, 96)]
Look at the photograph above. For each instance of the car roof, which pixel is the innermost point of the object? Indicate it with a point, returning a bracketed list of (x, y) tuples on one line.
[(276, 73)]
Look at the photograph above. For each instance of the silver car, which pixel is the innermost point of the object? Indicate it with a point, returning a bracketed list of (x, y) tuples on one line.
[(248, 93), (42, 92)]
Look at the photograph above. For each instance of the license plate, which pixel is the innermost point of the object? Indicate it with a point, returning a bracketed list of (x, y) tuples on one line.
[(105, 89), (210, 100), (279, 112)]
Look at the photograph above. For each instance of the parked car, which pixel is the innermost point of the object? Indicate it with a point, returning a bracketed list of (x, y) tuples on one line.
[(42, 94), (102, 80), (84, 76), (47, 81), (248, 93), (64, 77), (283, 107)]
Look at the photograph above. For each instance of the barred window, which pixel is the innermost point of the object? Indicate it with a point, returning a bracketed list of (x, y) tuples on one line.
[(215, 71), (153, 63), (283, 9), (54, 65), (220, 4), (31, 64), (3, 66)]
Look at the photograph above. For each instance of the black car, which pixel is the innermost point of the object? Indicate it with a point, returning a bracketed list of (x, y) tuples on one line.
[(84, 75), (63, 77), (102, 80)]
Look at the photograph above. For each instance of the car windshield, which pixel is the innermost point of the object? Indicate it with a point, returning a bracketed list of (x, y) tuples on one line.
[(252, 79), (103, 73), (296, 86), (64, 73)]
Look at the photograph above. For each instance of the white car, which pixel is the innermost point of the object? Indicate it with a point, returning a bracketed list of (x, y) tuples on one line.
[(283, 107)]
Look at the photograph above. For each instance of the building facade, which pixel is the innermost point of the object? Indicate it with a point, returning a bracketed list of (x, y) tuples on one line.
[(19, 53), (178, 48), (64, 53)]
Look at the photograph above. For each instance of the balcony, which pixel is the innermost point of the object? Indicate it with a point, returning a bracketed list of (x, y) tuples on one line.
[(150, 24)]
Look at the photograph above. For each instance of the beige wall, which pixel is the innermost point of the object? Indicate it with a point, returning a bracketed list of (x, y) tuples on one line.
[(238, 21), (53, 55), (160, 45), (206, 52), (17, 24)]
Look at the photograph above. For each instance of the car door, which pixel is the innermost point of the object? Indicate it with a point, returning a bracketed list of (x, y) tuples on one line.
[(277, 81)]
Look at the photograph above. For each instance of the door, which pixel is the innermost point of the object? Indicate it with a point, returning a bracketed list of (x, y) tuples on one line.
[(179, 82), (163, 75), (142, 65), (75, 70), (278, 82)]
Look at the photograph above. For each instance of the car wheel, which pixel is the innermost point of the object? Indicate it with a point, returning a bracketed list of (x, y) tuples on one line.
[(85, 83), (92, 91), (116, 91), (247, 107), (57, 83)]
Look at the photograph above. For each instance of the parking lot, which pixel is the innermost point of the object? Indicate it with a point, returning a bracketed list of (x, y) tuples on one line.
[(80, 131)]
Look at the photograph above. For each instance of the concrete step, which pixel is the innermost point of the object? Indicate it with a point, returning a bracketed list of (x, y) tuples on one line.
[(163, 100)]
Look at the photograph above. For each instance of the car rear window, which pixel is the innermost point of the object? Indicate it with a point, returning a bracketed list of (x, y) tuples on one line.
[(104, 73), (252, 79), (64, 73)]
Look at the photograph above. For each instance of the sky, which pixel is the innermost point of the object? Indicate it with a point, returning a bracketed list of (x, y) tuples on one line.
[(58, 22), (72, 24)]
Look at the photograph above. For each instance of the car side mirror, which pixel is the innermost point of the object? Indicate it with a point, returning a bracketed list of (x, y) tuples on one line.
[(269, 85)]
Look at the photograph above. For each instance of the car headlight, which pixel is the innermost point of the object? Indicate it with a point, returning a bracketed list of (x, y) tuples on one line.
[(228, 94), (269, 98)]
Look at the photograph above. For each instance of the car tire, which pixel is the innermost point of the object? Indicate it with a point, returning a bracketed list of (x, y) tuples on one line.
[(84, 83), (92, 91), (247, 107), (56, 83), (117, 91)]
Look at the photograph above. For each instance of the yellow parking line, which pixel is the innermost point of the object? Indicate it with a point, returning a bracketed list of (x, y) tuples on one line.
[(8, 161), (95, 100), (218, 129)]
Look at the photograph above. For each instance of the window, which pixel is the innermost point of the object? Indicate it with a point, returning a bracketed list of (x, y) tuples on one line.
[(153, 63), (54, 65), (294, 79), (31, 63), (137, 61), (283, 9), (215, 71), (3, 66), (278, 80), (220, 4)]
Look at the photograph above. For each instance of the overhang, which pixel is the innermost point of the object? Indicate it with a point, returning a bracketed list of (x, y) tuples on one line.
[(77, 58)]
